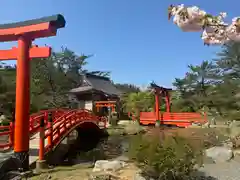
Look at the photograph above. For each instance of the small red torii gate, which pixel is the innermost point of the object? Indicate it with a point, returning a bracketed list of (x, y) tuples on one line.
[(108, 104), (180, 119), (160, 92)]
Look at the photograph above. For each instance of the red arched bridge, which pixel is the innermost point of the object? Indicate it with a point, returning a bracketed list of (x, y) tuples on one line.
[(49, 127)]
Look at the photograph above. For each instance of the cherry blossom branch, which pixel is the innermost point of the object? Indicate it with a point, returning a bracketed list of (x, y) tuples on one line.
[(214, 30)]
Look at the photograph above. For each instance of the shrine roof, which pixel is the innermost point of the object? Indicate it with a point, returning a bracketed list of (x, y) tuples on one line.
[(101, 84)]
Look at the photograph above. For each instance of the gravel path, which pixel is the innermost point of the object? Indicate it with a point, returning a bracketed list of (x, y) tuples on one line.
[(222, 171)]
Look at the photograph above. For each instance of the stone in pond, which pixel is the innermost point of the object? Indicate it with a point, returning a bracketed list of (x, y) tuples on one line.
[(219, 154), (9, 167), (105, 165), (138, 176)]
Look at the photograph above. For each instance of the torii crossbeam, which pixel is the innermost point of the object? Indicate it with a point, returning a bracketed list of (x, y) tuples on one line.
[(24, 33)]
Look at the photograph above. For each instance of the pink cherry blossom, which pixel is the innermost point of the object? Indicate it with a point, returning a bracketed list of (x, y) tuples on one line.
[(215, 31)]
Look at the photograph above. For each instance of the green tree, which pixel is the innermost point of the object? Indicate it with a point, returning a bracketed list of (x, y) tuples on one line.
[(226, 87), (7, 89), (139, 101), (52, 78), (212, 86), (127, 88), (194, 87)]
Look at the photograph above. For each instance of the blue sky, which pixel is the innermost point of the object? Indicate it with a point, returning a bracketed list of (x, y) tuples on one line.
[(131, 38)]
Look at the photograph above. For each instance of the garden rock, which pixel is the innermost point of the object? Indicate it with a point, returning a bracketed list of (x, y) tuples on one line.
[(138, 176), (236, 141), (133, 129), (234, 123), (125, 122), (228, 144), (206, 125), (219, 154), (9, 164), (122, 158), (105, 165), (103, 177), (195, 125), (3, 119), (234, 131), (5, 156)]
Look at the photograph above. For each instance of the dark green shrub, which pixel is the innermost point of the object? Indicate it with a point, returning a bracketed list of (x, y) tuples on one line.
[(5, 123), (171, 157)]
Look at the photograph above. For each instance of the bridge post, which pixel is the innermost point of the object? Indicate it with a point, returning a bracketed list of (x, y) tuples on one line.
[(41, 163), (12, 133), (12, 127), (50, 131), (41, 140)]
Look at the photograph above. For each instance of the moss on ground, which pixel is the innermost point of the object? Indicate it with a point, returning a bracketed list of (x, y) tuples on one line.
[(75, 172), (129, 128)]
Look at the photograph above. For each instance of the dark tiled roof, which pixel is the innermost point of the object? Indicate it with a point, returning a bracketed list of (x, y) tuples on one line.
[(94, 82)]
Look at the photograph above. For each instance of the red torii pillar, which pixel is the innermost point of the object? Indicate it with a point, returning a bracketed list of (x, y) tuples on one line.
[(157, 104), (24, 33)]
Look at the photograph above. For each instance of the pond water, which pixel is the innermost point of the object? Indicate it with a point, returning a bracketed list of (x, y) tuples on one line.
[(111, 147)]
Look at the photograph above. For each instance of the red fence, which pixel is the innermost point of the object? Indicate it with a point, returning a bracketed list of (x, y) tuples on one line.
[(177, 119)]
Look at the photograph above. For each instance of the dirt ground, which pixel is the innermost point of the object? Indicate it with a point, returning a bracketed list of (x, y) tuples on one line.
[(78, 172), (64, 173)]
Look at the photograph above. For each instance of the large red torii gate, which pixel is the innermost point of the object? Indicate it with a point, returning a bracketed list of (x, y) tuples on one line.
[(24, 33)]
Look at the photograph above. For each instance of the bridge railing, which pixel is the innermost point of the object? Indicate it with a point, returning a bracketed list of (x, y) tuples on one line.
[(6, 135), (54, 132), (35, 118), (56, 122), (179, 119), (7, 132)]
